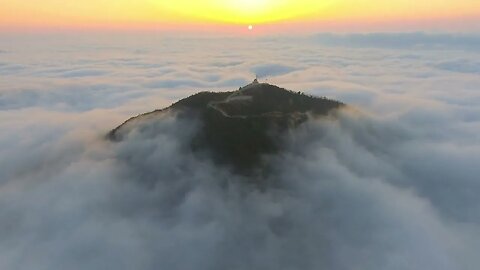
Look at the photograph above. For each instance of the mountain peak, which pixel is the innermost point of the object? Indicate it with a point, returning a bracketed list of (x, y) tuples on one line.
[(239, 127)]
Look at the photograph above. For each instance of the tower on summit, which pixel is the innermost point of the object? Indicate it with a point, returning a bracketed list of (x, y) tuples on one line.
[(256, 80)]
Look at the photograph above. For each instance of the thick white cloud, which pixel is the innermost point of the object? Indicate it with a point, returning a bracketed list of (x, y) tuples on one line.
[(414, 40), (391, 183)]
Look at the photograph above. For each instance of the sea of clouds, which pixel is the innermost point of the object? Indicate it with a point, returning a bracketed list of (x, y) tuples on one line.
[(390, 183)]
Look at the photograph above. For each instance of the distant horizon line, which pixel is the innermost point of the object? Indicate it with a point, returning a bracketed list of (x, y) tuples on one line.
[(455, 24), (207, 33)]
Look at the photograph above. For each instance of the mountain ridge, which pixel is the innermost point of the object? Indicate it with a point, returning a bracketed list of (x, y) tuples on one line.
[(238, 128)]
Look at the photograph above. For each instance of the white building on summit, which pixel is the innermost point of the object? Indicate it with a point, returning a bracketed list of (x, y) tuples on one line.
[(240, 95), (252, 84)]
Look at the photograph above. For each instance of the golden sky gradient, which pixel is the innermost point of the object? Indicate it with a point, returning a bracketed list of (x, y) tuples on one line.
[(129, 13)]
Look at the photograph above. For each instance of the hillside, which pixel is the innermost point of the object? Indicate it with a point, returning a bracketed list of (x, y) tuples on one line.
[(238, 128)]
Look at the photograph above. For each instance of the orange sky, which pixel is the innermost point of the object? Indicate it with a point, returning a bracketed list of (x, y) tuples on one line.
[(269, 15)]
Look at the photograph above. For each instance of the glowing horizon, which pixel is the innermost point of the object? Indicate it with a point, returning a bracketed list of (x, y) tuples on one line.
[(188, 13)]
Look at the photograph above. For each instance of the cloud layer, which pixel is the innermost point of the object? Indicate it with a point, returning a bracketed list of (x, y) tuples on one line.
[(391, 183)]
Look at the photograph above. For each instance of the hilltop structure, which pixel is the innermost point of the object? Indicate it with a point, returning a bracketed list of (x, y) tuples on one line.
[(252, 84)]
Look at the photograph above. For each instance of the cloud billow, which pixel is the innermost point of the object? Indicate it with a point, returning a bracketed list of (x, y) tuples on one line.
[(342, 199), (389, 183), (272, 70)]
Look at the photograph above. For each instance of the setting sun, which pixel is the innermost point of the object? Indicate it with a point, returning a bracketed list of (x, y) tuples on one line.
[(159, 13)]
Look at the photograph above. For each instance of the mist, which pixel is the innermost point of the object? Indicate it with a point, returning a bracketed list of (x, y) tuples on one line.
[(391, 182)]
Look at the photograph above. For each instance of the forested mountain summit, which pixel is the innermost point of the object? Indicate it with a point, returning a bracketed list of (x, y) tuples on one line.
[(237, 128)]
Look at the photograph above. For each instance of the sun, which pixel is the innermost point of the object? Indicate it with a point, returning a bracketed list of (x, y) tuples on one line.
[(250, 27)]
